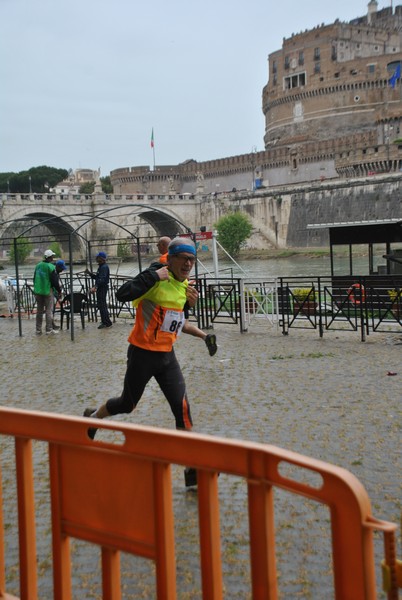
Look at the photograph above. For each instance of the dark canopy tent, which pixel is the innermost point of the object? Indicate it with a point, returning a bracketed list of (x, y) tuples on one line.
[(369, 233)]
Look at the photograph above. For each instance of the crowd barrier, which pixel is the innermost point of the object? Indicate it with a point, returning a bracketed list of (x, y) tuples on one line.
[(86, 487), (362, 304)]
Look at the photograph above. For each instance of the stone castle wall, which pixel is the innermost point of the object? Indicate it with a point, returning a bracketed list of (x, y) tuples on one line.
[(331, 116)]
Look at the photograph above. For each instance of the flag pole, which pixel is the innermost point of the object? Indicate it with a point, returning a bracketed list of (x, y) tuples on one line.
[(153, 146)]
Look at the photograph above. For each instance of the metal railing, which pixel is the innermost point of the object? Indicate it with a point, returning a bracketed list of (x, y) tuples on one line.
[(361, 304)]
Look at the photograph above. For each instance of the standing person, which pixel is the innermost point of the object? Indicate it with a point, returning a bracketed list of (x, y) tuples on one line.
[(160, 296), (101, 287), (163, 244), (60, 266), (45, 281), (209, 338)]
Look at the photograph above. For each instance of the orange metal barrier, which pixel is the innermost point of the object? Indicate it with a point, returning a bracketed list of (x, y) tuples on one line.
[(86, 487)]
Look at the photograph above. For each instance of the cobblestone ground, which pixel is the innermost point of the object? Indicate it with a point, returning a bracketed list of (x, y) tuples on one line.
[(329, 398)]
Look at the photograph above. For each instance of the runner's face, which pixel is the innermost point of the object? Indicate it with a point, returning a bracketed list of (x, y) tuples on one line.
[(181, 265)]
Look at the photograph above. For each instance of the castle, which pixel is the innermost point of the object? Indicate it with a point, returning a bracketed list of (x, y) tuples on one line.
[(333, 110)]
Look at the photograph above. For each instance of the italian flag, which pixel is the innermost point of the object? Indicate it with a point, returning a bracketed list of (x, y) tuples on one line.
[(152, 138)]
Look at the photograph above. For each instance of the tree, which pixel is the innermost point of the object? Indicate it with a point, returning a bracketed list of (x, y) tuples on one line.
[(56, 248), (123, 250), (233, 230), (24, 249), (107, 187), (87, 188), (38, 179)]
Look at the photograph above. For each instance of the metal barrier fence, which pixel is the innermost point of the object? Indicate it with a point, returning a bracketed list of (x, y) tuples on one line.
[(362, 304), (95, 496)]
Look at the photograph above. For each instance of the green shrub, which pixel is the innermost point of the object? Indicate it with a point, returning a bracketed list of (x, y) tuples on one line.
[(24, 249), (302, 294)]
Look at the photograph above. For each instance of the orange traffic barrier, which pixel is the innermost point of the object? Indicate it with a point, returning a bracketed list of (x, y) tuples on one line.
[(86, 479)]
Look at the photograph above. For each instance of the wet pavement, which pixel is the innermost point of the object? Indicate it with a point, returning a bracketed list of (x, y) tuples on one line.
[(331, 398)]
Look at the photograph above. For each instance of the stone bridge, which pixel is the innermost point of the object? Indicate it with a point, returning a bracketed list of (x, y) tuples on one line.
[(279, 215), (100, 217)]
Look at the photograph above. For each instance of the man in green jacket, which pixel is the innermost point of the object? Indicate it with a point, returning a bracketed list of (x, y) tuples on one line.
[(45, 280)]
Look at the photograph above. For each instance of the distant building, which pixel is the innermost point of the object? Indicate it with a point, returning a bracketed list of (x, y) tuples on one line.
[(332, 106), (75, 180)]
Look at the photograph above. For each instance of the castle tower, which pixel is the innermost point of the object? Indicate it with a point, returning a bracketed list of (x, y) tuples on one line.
[(333, 81)]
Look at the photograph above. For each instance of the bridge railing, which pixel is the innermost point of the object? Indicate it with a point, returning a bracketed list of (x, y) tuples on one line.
[(118, 495)]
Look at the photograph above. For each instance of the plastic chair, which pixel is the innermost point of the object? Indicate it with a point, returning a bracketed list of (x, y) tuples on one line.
[(80, 304)]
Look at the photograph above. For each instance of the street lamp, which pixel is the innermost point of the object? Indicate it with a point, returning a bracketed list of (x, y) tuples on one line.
[(30, 185), (8, 186)]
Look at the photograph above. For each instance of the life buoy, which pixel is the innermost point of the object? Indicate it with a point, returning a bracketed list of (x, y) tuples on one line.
[(357, 293)]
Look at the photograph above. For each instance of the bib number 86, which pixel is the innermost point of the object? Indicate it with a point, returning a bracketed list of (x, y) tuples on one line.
[(173, 321)]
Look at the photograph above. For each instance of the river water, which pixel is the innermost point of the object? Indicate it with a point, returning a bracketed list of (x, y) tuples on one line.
[(297, 265)]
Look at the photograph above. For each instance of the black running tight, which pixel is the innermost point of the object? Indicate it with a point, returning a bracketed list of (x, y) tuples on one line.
[(142, 365)]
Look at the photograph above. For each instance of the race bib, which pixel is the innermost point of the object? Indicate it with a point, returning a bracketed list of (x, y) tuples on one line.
[(173, 321)]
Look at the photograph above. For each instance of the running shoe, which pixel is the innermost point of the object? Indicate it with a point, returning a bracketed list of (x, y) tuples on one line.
[(88, 412), (210, 342), (190, 476)]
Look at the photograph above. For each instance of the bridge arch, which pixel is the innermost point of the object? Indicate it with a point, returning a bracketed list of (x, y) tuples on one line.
[(27, 223)]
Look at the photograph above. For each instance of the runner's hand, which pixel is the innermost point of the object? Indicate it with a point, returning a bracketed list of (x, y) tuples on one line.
[(192, 295), (163, 273)]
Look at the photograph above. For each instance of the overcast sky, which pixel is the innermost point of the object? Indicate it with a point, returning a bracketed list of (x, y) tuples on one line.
[(83, 82)]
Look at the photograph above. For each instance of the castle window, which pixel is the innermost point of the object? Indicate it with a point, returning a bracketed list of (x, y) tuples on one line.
[(274, 66), (275, 80), (317, 67), (287, 62), (333, 53), (294, 81), (301, 57), (317, 54), (371, 68)]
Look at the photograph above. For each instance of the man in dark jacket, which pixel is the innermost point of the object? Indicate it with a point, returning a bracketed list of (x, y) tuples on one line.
[(101, 287), (60, 266)]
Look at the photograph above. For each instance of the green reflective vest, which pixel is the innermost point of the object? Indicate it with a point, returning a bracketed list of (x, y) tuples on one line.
[(42, 283)]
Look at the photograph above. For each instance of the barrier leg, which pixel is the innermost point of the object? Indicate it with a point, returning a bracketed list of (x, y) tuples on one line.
[(208, 507), (111, 574)]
